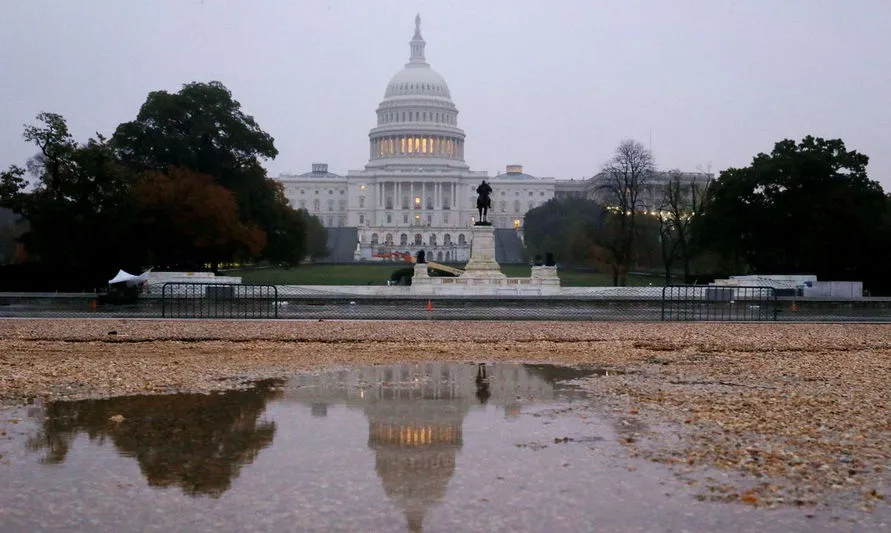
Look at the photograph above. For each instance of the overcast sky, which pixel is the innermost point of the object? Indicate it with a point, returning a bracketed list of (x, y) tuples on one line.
[(553, 85)]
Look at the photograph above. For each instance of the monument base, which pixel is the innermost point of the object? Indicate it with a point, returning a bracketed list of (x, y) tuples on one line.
[(482, 264)]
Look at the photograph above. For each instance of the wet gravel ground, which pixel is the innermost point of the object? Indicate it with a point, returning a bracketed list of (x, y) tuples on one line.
[(793, 414)]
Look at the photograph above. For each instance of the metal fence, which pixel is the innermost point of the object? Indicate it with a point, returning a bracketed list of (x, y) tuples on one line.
[(243, 301), (716, 303), (218, 300)]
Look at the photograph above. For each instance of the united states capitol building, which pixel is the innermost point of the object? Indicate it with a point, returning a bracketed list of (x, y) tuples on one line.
[(416, 191)]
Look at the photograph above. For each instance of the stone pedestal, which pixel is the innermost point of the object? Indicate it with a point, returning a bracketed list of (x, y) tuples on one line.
[(482, 264)]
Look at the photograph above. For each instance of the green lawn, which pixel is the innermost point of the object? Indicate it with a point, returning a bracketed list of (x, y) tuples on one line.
[(365, 274)]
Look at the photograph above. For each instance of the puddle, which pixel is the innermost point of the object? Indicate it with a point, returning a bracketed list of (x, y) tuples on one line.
[(432, 447)]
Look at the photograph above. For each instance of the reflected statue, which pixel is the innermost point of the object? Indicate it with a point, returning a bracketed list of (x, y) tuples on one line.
[(196, 441), (483, 203), (482, 384)]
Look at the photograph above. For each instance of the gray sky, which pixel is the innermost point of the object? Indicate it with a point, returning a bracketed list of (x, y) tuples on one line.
[(553, 85)]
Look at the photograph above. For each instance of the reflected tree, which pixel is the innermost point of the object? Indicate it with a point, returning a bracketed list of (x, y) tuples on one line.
[(196, 441)]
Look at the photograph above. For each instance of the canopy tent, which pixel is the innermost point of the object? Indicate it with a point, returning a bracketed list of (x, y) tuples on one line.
[(129, 279)]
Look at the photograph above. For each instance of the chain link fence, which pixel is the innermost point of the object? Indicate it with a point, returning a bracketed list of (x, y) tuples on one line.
[(246, 301)]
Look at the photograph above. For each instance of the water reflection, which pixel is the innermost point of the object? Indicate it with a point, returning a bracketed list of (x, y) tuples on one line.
[(415, 415), (195, 441), (416, 412)]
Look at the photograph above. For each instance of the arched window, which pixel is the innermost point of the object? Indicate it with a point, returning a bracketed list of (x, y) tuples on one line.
[(461, 240), (388, 239), (374, 238), (432, 239), (447, 239), (439, 256), (403, 239), (418, 238)]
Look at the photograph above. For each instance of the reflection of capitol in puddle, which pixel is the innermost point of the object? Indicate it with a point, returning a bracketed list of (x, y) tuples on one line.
[(415, 416)]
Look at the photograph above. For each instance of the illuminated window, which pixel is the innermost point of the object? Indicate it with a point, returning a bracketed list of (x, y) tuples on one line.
[(402, 149), (516, 223), (424, 145)]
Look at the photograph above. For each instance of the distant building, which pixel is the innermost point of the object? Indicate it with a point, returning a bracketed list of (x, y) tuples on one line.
[(416, 191)]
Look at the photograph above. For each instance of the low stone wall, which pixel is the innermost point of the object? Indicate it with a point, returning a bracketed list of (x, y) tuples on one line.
[(542, 282)]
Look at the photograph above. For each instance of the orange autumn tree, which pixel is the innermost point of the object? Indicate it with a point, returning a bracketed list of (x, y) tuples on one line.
[(186, 220)]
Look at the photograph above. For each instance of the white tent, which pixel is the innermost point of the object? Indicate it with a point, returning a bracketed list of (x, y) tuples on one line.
[(129, 279)]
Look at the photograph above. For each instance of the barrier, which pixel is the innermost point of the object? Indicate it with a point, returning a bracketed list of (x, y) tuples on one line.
[(719, 303), (218, 300)]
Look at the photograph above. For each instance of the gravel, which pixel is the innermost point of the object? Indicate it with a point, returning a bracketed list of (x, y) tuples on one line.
[(794, 413)]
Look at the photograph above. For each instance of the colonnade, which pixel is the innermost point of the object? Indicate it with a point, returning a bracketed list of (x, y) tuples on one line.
[(416, 195), (417, 145)]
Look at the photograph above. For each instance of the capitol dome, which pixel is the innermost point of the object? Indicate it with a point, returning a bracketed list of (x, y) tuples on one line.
[(417, 80), (417, 122)]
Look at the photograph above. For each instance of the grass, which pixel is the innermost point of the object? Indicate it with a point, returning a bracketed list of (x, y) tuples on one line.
[(378, 274)]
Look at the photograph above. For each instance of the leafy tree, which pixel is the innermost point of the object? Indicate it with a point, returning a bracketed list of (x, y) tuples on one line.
[(79, 209), (203, 128), (188, 221), (804, 208), (621, 183)]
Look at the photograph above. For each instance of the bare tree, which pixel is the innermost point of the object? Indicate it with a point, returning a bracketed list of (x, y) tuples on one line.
[(682, 199), (622, 182)]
